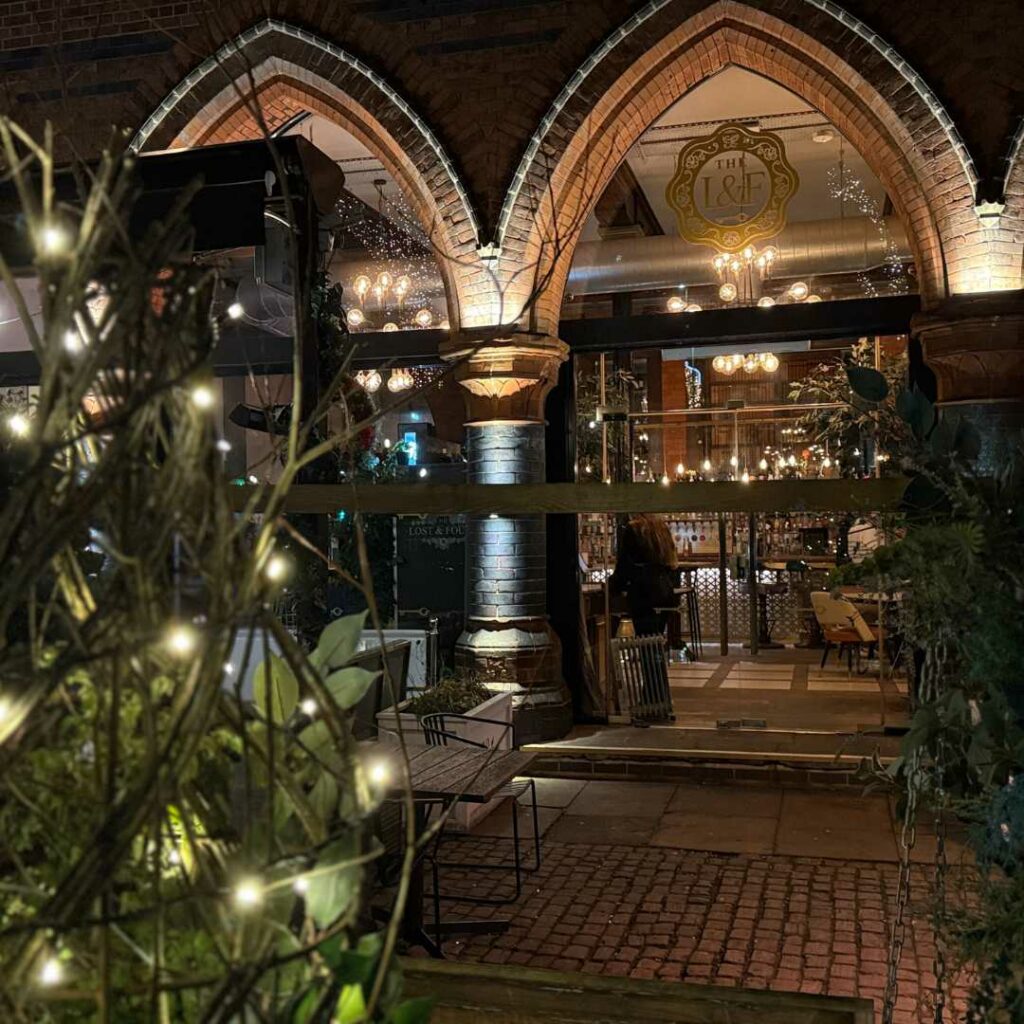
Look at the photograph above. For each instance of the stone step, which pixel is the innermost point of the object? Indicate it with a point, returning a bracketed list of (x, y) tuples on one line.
[(772, 757)]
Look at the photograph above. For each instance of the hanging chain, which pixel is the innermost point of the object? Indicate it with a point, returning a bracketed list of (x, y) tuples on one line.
[(898, 930)]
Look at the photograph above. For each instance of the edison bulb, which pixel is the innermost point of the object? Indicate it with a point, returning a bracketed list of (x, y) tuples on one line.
[(799, 291), (675, 304), (706, 466), (18, 424), (727, 292), (389, 327), (202, 397), (424, 317), (762, 465), (770, 362), (766, 302), (813, 298), (355, 318), (236, 311), (361, 286), (693, 307)]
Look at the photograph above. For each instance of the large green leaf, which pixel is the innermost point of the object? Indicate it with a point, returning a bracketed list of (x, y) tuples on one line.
[(278, 697), (333, 882), (338, 641), (352, 966), (867, 383), (349, 685), (351, 1006), (915, 410)]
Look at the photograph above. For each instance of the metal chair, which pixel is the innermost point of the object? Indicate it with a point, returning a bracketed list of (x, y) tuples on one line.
[(640, 664), (438, 734)]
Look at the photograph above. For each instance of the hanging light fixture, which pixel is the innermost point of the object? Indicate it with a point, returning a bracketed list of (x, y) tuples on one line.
[(798, 291), (361, 286), (400, 380), (751, 364), (743, 270), (389, 327), (750, 361), (727, 292), (424, 317), (675, 304), (355, 317), (769, 361), (693, 307), (766, 302), (369, 380)]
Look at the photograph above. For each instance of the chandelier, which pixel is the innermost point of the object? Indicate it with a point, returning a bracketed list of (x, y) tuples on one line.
[(398, 380), (739, 272), (750, 362)]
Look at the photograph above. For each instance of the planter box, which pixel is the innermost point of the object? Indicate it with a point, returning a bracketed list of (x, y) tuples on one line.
[(468, 993), (498, 707)]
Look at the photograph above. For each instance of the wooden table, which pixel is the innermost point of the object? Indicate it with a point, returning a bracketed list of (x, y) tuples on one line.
[(445, 775)]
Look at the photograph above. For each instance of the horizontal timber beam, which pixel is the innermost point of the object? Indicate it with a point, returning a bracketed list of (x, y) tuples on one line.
[(519, 499)]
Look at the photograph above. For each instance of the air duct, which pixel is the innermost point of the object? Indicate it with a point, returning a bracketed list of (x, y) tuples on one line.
[(806, 249)]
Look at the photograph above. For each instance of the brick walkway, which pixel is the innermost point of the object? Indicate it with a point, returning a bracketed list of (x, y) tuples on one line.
[(785, 923)]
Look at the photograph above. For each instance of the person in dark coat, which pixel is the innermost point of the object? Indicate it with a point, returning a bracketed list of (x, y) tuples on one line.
[(646, 569)]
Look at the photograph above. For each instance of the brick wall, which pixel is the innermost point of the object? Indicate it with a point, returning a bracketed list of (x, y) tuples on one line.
[(482, 73)]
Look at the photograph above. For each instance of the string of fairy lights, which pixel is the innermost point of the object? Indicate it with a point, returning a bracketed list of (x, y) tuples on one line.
[(179, 640)]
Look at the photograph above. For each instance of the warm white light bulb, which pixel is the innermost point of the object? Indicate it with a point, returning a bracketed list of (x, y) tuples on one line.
[(826, 462), (253, 479), (766, 302), (301, 885), (664, 480), (389, 327), (387, 442), (675, 304), (51, 972), (424, 317), (181, 640), (308, 707), (423, 472), (745, 478), (763, 464), (236, 311), (355, 317), (223, 445), (707, 466), (73, 342), (680, 469), (248, 894), (203, 397), (378, 772), (18, 424), (733, 461), (798, 290), (52, 239), (276, 568)]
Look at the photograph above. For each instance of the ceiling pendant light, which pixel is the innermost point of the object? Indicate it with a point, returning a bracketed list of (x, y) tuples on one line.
[(675, 304)]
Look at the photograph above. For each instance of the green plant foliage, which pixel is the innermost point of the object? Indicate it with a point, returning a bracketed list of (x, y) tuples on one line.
[(454, 695), (868, 414), (962, 557), (169, 851)]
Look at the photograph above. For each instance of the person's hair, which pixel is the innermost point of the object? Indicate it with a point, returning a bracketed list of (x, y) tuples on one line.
[(655, 538)]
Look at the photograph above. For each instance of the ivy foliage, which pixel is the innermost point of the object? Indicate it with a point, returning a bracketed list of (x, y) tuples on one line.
[(961, 560)]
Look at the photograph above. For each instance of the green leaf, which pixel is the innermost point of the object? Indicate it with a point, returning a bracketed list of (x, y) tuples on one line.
[(348, 686), (352, 966), (305, 1007), (867, 383), (338, 641), (351, 1005), (283, 689), (915, 410), (323, 798), (332, 883), (413, 1011), (967, 441)]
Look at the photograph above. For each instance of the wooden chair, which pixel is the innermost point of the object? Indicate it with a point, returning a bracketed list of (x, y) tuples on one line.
[(843, 625)]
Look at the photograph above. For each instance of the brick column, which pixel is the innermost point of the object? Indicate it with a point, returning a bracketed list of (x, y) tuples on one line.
[(974, 344), (507, 636)]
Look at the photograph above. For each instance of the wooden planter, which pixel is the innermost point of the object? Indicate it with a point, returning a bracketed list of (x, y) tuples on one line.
[(498, 707), (468, 993)]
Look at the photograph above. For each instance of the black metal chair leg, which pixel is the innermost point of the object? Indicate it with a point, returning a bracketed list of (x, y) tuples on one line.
[(437, 907), (516, 859), (824, 653), (536, 826)]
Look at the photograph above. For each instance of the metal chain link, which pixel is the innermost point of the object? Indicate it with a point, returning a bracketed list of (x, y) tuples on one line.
[(898, 932)]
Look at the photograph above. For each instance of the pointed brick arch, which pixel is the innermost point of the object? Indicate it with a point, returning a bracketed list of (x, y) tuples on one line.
[(915, 153), (292, 70)]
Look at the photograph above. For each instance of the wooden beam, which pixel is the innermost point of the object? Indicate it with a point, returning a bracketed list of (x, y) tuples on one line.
[(518, 499)]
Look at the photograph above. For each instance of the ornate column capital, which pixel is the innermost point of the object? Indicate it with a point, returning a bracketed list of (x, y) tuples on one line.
[(974, 344), (506, 374)]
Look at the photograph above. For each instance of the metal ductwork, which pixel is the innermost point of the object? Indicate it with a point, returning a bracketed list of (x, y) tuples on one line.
[(268, 308), (806, 249)]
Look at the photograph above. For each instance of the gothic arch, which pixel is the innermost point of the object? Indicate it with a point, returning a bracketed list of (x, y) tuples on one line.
[(291, 69), (879, 104)]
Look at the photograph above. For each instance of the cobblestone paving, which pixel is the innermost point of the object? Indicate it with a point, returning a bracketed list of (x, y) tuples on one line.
[(783, 923)]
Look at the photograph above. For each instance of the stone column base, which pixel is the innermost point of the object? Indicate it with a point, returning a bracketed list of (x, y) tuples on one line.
[(524, 659)]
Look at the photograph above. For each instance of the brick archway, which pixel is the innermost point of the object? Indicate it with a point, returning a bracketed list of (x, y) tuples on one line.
[(286, 70), (581, 144)]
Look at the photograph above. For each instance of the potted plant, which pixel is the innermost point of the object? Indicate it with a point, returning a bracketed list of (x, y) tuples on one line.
[(462, 694)]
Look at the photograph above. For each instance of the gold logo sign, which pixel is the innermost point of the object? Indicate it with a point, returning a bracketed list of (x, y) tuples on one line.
[(731, 188)]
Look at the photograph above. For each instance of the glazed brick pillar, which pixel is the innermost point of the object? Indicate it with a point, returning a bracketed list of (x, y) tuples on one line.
[(974, 344), (507, 637)]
